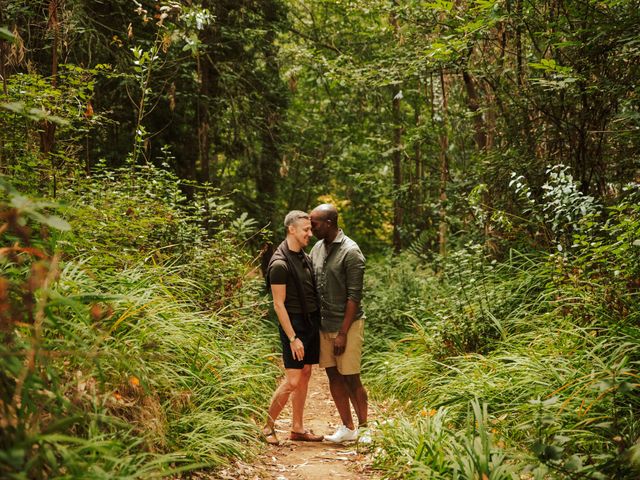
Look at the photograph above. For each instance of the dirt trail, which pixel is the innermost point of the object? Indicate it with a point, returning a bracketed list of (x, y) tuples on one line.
[(309, 460)]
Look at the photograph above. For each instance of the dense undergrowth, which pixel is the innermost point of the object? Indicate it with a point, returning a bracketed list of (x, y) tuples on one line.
[(134, 343), (132, 339), (524, 368)]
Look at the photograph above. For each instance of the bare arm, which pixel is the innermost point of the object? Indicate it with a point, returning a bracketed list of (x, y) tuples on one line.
[(279, 293)]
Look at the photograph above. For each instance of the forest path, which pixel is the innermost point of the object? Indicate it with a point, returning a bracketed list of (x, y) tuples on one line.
[(309, 460)]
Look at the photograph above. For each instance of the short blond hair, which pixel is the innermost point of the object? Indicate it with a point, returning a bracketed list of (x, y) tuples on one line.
[(293, 217)]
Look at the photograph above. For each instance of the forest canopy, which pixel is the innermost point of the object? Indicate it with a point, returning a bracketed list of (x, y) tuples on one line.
[(404, 112)]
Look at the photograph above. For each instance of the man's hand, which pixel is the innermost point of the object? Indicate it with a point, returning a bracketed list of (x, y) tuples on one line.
[(297, 349), (339, 344)]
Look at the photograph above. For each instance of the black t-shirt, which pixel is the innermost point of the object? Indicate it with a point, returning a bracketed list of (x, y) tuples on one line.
[(279, 275)]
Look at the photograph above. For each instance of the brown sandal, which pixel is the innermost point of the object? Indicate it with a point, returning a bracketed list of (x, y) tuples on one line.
[(270, 437), (306, 436)]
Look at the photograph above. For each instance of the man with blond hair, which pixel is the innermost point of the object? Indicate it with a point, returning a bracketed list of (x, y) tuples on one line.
[(292, 283)]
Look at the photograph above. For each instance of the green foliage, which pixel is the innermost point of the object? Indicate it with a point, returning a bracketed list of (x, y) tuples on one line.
[(6, 35), (431, 447), (129, 213), (35, 161), (410, 117), (110, 365), (561, 207), (550, 343)]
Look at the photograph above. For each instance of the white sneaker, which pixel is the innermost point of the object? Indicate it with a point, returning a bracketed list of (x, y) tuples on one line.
[(343, 434), (364, 436)]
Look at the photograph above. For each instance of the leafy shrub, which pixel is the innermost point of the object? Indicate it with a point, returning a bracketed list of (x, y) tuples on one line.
[(124, 374), (549, 341), (127, 215), (431, 447), (562, 205)]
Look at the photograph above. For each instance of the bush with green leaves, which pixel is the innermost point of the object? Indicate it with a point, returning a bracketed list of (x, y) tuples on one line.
[(549, 341), (117, 372), (140, 214), (432, 447)]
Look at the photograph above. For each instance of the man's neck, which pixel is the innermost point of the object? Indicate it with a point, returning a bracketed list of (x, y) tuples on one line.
[(331, 237), (293, 245)]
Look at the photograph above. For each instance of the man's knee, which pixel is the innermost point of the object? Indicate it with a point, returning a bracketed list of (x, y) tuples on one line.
[(353, 381), (292, 384), (293, 380), (333, 374)]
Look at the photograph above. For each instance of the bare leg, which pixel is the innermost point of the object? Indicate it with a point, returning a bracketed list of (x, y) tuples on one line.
[(340, 394), (281, 395), (358, 396), (298, 399)]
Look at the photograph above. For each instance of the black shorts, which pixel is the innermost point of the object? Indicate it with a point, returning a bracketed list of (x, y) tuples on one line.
[(309, 334)]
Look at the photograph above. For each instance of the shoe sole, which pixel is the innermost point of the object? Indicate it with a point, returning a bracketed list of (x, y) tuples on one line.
[(340, 441)]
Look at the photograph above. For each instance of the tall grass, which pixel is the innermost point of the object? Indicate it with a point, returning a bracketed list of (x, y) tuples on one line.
[(549, 343), (135, 369), (145, 371)]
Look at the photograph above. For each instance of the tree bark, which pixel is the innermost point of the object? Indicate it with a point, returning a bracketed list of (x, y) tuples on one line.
[(3, 74), (398, 211), (273, 102), (202, 112), (419, 167), (48, 129), (519, 70), (473, 103), (444, 171)]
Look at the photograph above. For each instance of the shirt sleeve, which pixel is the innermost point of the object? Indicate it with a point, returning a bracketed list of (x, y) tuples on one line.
[(278, 273), (354, 265)]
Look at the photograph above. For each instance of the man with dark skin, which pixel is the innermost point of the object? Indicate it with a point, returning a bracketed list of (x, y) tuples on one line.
[(339, 267)]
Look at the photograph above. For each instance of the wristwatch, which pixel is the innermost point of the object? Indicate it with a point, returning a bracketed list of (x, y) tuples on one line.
[(293, 339)]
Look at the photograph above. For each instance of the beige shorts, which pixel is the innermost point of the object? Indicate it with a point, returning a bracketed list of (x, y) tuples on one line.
[(349, 362)]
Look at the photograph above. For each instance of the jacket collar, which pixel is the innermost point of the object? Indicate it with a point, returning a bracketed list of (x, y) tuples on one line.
[(339, 238)]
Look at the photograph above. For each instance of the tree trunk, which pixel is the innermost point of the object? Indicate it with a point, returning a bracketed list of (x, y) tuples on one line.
[(202, 112), (473, 103), (398, 212), (444, 167), (3, 74), (269, 157), (3, 59), (519, 70), (48, 129), (418, 174)]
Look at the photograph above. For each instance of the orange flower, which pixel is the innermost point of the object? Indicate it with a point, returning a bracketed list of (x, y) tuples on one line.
[(428, 413), (133, 381)]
